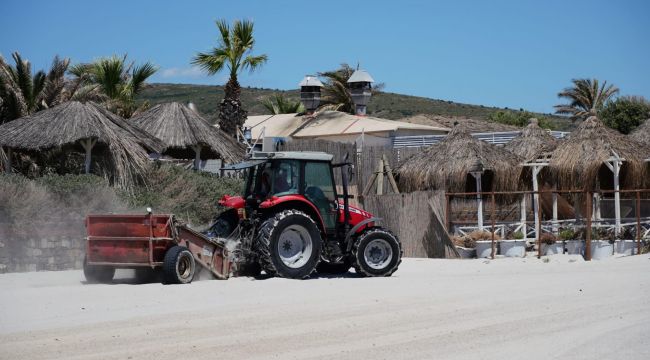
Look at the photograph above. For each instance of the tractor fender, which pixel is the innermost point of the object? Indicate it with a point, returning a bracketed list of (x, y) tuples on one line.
[(355, 228), (295, 201)]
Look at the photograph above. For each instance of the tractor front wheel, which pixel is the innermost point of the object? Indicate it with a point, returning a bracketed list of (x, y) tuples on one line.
[(377, 252), (178, 266), (289, 245)]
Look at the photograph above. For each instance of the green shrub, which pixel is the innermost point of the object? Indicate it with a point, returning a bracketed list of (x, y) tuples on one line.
[(518, 235), (568, 234)]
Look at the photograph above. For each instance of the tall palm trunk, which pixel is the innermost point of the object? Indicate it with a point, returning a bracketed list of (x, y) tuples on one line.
[(231, 113)]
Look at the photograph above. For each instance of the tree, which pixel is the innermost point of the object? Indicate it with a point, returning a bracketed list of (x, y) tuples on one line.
[(336, 95), (625, 113), (234, 53), (113, 81), (23, 93), (278, 104), (586, 98)]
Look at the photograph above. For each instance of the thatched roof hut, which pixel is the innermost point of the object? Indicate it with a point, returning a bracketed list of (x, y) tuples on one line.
[(84, 126), (187, 135), (579, 161), (448, 165), (642, 133), (532, 142)]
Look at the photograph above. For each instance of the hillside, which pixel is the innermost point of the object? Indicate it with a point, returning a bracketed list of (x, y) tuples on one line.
[(385, 105)]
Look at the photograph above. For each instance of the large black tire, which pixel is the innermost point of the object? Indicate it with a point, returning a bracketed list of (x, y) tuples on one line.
[(377, 252), (223, 225), (98, 274), (326, 267), (178, 266), (280, 236)]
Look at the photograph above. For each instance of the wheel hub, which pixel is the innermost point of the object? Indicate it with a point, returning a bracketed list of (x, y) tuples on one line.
[(295, 246), (378, 254)]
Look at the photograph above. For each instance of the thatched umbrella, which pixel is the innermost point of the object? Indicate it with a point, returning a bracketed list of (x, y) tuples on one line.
[(642, 133), (532, 142), (187, 135), (85, 125), (448, 164), (585, 158)]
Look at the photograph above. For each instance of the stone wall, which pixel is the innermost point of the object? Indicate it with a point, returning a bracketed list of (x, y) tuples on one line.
[(51, 247)]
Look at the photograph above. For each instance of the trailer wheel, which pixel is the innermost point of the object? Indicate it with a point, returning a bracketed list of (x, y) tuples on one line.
[(289, 245), (98, 274), (178, 266), (377, 252)]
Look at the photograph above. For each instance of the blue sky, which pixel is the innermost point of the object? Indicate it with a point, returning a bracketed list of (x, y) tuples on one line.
[(497, 53)]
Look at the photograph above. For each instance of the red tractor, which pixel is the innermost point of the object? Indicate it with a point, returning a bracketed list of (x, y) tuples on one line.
[(291, 221)]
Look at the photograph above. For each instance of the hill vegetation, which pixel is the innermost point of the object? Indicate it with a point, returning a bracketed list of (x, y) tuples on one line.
[(386, 105)]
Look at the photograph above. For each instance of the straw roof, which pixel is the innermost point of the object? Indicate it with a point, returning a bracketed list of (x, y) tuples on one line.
[(181, 129), (447, 164), (578, 160), (70, 122), (642, 133), (532, 142)]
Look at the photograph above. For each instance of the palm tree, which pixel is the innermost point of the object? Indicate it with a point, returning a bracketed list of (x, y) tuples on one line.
[(586, 98), (113, 81), (234, 53), (336, 95), (23, 93), (278, 104)]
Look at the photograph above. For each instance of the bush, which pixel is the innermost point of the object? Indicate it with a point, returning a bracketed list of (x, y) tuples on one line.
[(625, 113), (518, 235), (190, 195), (548, 239), (568, 234)]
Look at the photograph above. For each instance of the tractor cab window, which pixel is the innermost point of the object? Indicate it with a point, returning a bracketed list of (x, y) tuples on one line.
[(278, 178), (319, 189)]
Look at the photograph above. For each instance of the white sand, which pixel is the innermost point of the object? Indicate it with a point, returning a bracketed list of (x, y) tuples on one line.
[(445, 309)]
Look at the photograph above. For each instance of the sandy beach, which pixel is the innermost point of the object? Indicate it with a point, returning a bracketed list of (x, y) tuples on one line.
[(562, 308)]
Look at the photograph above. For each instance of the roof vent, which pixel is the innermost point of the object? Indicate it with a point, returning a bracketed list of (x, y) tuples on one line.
[(360, 86), (310, 92)]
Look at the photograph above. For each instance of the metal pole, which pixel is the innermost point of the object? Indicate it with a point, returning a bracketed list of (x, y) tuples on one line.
[(538, 230), (588, 230), (493, 224), (197, 157), (447, 219), (88, 146)]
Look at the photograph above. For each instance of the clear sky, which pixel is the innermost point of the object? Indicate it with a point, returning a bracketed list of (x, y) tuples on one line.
[(499, 53)]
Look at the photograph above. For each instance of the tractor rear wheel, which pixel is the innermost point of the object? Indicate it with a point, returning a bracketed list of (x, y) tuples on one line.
[(377, 252), (178, 266), (97, 273), (289, 244)]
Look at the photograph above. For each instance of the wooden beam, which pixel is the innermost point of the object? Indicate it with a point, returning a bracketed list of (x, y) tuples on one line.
[(380, 179), (389, 173)]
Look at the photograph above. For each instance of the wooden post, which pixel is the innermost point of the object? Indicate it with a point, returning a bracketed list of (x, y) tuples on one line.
[(588, 229), (617, 196), (197, 157), (479, 198), (556, 228), (380, 177), (493, 217), (389, 174), (88, 144), (638, 222), (538, 230), (8, 160), (522, 212), (536, 208)]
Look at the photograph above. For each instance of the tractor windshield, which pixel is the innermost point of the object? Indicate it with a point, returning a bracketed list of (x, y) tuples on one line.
[(274, 178)]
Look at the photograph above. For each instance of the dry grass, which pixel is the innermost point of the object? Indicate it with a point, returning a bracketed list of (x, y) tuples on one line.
[(180, 128), (446, 165)]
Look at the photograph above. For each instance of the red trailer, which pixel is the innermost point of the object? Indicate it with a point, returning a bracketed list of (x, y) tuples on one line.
[(150, 241)]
